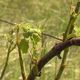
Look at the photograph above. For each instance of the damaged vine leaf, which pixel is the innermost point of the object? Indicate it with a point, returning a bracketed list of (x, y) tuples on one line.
[(35, 38), (29, 32), (24, 45)]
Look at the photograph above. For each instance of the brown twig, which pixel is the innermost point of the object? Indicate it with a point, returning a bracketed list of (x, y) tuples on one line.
[(52, 36), (7, 59), (56, 50), (5, 21)]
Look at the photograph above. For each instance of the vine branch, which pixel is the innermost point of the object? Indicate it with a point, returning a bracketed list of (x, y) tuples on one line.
[(7, 59), (5, 21), (20, 56), (68, 31), (52, 36), (56, 50)]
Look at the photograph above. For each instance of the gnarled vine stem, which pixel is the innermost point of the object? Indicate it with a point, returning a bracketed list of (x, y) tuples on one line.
[(68, 31), (56, 50)]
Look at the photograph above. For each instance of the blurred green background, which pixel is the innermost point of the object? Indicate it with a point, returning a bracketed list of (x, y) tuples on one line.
[(53, 15)]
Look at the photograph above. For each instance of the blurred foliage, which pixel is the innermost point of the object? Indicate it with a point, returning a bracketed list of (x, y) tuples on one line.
[(53, 16)]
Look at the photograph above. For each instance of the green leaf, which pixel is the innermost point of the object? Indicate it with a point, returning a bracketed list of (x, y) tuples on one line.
[(37, 31), (27, 34), (77, 31), (24, 45), (72, 35), (30, 31), (35, 38)]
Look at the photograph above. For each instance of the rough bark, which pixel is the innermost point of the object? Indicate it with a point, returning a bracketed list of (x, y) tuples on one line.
[(56, 50)]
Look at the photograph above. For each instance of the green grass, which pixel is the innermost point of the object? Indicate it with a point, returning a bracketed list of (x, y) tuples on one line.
[(54, 16)]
